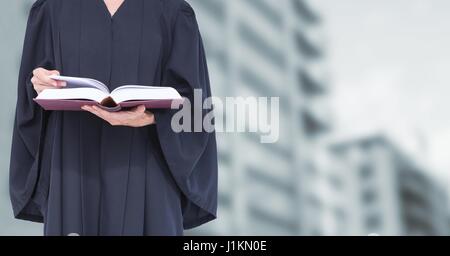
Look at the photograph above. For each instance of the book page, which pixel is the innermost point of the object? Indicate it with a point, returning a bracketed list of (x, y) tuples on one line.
[(136, 92), (78, 82), (73, 94), (137, 87)]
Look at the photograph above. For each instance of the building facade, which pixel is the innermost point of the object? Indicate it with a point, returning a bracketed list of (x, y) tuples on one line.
[(267, 48), (389, 192)]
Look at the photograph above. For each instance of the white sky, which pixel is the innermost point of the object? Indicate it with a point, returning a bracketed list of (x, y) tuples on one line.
[(390, 65)]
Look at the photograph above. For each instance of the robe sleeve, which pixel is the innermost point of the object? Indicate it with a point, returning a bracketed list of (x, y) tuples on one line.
[(191, 156), (30, 120)]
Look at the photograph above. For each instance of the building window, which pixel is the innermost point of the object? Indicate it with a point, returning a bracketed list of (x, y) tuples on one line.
[(281, 150), (268, 12), (308, 49), (252, 78), (288, 188), (305, 11), (309, 85), (312, 125), (373, 222), (368, 196), (258, 43), (366, 171)]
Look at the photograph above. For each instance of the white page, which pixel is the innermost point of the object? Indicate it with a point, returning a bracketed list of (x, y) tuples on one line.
[(73, 94), (77, 82), (137, 87), (135, 92)]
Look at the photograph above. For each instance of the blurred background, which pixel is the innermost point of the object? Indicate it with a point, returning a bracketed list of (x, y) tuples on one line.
[(364, 117)]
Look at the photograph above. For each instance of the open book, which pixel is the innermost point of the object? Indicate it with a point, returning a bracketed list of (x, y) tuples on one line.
[(85, 91)]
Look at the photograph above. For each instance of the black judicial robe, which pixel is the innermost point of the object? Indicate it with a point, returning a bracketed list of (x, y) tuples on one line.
[(78, 174)]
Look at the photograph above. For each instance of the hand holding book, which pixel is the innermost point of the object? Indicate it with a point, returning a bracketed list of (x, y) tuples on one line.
[(136, 117)]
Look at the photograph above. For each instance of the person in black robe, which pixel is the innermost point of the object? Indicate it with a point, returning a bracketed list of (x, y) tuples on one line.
[(78, 174)]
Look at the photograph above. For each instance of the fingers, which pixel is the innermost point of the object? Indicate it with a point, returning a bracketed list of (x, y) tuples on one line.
[(150, 117), (137, 117), (41, 79), (103, 114), (92, 110), (58, 83), (139, 109)]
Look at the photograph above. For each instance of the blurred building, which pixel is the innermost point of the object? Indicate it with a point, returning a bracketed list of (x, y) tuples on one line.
[(271, 49), (389, 192)]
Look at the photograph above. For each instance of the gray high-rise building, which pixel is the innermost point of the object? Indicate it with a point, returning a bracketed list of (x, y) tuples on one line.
[(389, 192), (270, 49)]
